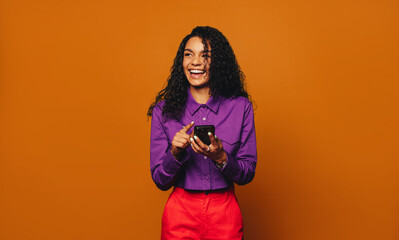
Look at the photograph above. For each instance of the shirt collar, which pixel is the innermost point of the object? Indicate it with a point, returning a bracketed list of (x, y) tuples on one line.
[(192, 105)]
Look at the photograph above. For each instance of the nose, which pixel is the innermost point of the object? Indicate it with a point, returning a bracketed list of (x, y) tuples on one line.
[(197, 61)]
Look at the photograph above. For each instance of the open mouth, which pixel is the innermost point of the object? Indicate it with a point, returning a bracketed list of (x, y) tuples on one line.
[(196, 73)]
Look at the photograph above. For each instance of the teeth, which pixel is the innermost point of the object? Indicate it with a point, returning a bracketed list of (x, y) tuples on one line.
[(196, 71)]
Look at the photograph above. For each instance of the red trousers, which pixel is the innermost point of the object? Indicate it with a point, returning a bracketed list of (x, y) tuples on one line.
[(195, 215)]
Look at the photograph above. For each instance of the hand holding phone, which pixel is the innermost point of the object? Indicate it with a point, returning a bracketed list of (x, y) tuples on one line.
[(213, 151)]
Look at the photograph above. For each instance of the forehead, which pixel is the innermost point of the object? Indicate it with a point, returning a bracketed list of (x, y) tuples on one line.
[(195, 44)]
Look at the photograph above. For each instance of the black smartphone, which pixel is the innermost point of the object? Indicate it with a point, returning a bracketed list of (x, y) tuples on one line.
[(201, 131)]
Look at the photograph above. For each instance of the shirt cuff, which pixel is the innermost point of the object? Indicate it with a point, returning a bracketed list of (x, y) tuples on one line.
[(231, 168), (171, 165)]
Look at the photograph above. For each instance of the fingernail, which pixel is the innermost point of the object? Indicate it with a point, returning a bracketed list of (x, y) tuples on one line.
[(192, 122), (216, 136), (191, 145), (195, 137), (209, 133), (191, 139)]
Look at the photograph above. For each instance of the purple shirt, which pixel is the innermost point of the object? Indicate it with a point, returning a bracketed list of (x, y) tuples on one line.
[(234, 124)]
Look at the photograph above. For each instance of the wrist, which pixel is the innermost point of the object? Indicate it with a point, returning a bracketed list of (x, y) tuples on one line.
[(222, 159), (221, 165), (178, 154)]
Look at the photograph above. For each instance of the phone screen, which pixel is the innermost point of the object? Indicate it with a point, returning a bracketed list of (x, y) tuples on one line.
[(201, 131)]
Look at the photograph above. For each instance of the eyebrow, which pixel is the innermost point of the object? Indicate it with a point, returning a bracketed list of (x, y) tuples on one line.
[(188, 49)]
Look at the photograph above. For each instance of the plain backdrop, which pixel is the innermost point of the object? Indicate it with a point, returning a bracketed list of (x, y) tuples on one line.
[(77, 78)]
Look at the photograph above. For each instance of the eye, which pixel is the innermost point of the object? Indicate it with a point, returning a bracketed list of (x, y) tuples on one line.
[(187, 54)]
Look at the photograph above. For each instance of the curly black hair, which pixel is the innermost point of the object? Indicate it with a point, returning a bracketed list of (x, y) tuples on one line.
[(226, 78)]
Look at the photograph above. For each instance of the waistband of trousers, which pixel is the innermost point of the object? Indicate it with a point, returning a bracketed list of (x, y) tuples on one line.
[(217, 193)]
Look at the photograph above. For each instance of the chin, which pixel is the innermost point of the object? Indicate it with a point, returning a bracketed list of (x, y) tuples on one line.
[(198, 84)]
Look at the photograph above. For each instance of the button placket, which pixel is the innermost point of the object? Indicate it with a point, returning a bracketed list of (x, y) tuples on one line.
[(204, 112)]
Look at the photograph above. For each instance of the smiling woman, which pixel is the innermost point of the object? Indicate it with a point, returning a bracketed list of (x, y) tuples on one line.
[(205, 88)]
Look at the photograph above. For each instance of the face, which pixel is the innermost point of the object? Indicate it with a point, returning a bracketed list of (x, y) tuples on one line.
[(196, 63)]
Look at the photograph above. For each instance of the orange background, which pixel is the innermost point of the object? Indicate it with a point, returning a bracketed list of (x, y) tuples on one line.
[(77, 77)]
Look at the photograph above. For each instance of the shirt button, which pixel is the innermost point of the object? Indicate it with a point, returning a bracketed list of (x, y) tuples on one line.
[(205, 157), (204, 118)]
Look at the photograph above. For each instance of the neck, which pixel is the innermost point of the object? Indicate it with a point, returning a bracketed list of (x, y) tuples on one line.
[(201, 95)]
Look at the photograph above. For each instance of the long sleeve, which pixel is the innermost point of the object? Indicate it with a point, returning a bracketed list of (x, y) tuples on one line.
[(164, 167), (240, 168)]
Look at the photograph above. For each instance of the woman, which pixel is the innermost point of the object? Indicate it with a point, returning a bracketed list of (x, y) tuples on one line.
[(206, 87)]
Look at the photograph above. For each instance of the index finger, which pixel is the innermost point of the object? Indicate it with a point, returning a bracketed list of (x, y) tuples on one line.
[(187, 127), (214, 142)]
